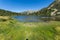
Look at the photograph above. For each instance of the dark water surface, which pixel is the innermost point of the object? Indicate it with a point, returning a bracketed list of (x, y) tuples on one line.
[(30, 18)]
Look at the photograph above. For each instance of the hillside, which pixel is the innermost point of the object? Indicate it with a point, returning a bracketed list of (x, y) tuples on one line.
[(8, 13), (48, 11)]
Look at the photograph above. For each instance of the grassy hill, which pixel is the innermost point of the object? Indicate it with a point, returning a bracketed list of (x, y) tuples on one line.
[(8, 13)]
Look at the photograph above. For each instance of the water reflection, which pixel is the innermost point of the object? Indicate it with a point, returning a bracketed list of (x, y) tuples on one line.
[(28, 18), (33, 18)]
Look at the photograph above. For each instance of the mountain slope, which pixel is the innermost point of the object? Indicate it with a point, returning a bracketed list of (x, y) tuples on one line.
[(8, 13), (48, 11)]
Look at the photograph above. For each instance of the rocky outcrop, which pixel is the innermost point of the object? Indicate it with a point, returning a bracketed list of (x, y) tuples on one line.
[(55, 6)]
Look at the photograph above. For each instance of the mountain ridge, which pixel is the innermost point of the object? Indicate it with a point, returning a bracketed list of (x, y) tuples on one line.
[(43, 12)]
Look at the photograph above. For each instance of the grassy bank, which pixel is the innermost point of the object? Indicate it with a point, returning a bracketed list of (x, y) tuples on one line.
[(14, 30)]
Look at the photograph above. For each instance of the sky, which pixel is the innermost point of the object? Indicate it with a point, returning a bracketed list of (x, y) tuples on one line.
[(24, 5)]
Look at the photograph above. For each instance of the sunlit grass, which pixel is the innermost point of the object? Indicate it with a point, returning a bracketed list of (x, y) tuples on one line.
[(14, 30)]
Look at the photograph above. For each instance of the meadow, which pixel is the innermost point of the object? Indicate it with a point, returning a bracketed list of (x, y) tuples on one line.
[(15, 30)]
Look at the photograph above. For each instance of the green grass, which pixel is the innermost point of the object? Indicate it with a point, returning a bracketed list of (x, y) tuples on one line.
[(14, 30)]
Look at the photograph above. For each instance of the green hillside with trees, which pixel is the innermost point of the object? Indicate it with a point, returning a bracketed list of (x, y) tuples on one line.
[(8, 13)]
